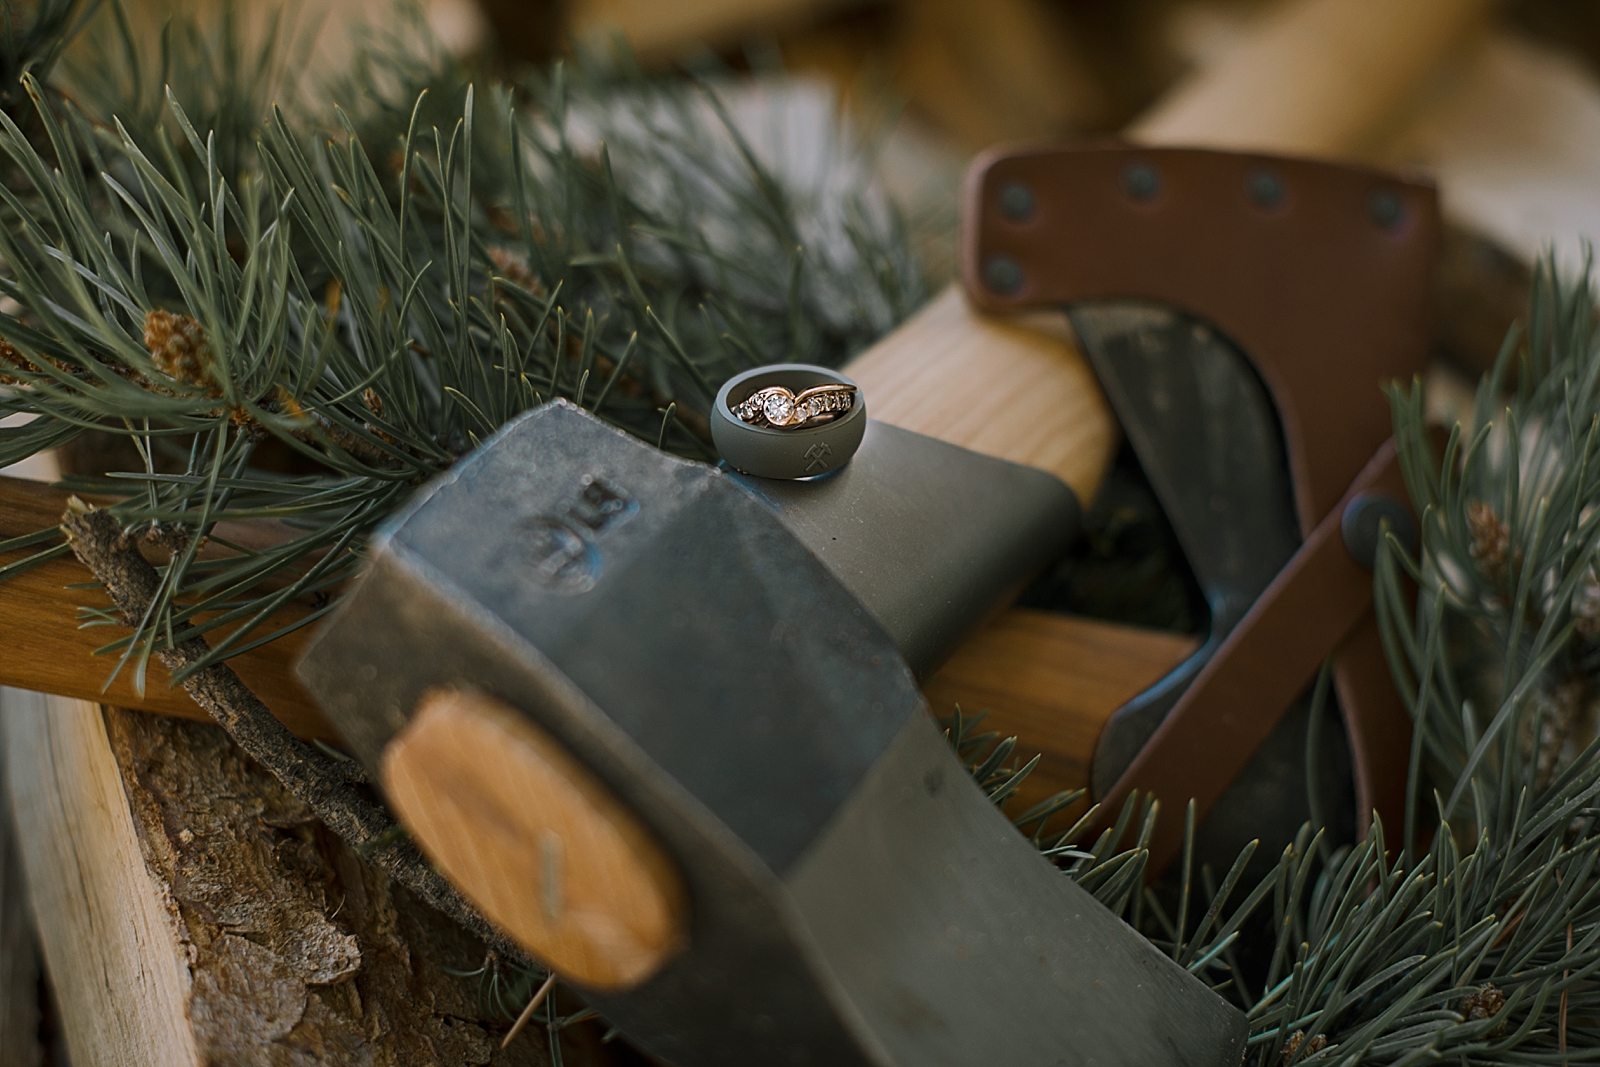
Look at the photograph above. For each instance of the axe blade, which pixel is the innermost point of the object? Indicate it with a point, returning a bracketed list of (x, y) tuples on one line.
[(855, 898), (1207, 436)]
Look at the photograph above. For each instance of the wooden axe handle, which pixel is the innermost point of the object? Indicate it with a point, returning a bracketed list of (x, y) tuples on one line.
[(1017, 389)]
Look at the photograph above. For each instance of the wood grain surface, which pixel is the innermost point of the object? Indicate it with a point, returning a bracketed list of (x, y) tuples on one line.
[(1014, 388), (117, 964), (1052, 681), (535, 840), (1313, 77), (48, 651)]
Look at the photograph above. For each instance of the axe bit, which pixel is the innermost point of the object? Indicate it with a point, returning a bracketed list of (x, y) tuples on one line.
[(734, 827)]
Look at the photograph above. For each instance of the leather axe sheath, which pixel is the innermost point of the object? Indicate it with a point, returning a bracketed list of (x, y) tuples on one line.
[(1188, 274)]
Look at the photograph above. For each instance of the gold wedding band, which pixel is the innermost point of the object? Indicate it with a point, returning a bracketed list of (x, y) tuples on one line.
[(782, 409)]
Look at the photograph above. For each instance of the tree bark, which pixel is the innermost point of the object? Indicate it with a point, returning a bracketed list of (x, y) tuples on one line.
[(192, 911)]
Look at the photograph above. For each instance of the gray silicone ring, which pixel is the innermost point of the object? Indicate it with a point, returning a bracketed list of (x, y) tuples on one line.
[(771, 453)]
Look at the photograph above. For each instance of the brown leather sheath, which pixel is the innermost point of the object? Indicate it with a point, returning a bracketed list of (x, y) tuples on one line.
[(1321, 274)]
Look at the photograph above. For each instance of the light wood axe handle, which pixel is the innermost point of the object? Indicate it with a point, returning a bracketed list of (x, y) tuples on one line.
[(1313, 77)]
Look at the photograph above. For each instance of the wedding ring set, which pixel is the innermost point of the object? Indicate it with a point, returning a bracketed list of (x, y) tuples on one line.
[(782, 409), (788, 421)]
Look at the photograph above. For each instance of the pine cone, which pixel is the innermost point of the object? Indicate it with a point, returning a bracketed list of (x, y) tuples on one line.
[(180, 350), (1491, 541), (1318, 1043), (1485, 1004)]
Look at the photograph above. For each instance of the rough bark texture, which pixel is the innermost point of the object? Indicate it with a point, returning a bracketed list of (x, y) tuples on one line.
[(302, 954), (19, 955), (335, 792)]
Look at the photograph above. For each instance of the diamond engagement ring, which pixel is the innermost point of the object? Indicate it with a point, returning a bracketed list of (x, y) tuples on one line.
[(778, 407), (788, 420)]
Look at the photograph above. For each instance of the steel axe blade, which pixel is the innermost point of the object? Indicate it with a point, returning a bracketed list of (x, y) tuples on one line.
[(1204, 429)]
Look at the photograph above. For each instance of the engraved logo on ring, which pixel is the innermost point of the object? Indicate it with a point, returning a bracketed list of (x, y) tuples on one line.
[(818, 454), (564, 547)]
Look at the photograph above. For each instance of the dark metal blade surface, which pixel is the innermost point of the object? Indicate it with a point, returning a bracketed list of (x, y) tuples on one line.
[(930, 537), (1206, 433)]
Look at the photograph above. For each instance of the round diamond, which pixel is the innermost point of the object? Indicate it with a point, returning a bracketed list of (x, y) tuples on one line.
[(778, 407)]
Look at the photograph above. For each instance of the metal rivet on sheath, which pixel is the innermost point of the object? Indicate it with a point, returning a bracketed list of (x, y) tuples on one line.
[(1264, 188), (1141, 182), (1385, 208), (1003, 275), (1016, 202), (1363, 523)]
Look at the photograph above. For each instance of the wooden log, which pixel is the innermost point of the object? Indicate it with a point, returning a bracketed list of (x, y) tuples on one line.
[(1313, 77), (192, 913)]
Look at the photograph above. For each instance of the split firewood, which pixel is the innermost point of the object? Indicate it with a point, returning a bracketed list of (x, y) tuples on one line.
[(192, 912)]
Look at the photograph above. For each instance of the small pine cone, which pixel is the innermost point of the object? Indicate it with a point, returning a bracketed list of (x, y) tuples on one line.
[(288, 405), (513, 268), (1491, 541), (10, 357), (179, 349), (374, 404), (1485, 1004), (1318, 1043)]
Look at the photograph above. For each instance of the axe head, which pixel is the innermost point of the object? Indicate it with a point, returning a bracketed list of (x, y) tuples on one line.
[(852, 896)]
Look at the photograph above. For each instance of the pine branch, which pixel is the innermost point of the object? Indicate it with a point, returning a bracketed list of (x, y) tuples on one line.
[(334, 791)]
